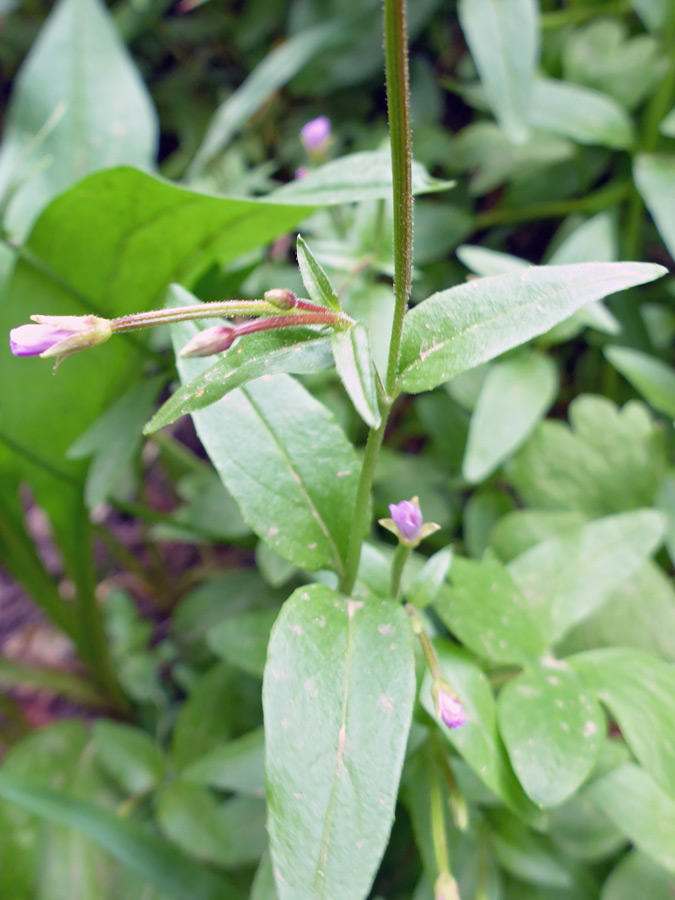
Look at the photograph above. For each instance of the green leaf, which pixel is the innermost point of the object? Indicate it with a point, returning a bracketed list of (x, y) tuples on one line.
[(57, 131), (285, 461), (639, 614), (275, 70), (477, 741), (354, 178), (151, 858), (338, 696), (314, 278), (582, 830), (457, 329), (652, 377), (263, 887), (640, 809), (552, 730), (237, 766), (584, 115), (638, 690), (569, 577), (54, 681), (504, 41), (667, 126), (515, 395), (655, 180), (425, 585), (129, 755), (113, 439), (299, 351), (486, 610), (636, 875), (242, 640), (527, 855), (654, 13), (354, 364), (607, 461), (228, 834)]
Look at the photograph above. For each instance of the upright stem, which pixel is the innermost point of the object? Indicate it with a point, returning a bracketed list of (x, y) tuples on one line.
[(398, 102)]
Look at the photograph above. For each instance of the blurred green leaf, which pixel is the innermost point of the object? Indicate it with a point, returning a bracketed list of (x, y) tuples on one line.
[(637, 874), (565, 579), (515, 395), (237, 766), (581, 114), (552, 730), (242, 639), (652, 377), (57, 131), (640, 809), (425, 585), (485, 608), (607, 460), (338, 695), (129, 755), (504, 42), (655, 179), (458, 329), (638, 690)]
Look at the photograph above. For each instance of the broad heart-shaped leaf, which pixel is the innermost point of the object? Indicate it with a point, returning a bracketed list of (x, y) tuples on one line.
[(478, 740), (636, 875), (286, 462), (552, 729), (314, 278), (457, 329), (638, 689), (352, 178), (605, 461), (503, 39), (354, 364), (487, 611), (569, 577), (298, 351), (655, 179), (652, 377), (516, 393), (57, 131), (640, 809), (338, 696)]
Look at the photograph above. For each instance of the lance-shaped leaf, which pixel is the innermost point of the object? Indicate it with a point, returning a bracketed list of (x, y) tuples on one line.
[(455, 330), (652, 377), (354, 363), (655, 179), (553, 731), (285, 460), (314, 278), (503, 39), (338, 696)]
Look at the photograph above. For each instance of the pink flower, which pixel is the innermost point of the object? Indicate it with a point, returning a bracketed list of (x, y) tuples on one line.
[(315, 135), (58, 335), (407, 517)]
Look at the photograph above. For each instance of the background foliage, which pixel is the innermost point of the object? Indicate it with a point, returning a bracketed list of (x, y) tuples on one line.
[(147, 144)]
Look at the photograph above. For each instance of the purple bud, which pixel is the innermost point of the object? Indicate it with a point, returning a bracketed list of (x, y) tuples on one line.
[(315, 135), (301, 172), (449, 707), (58, 335), (407, 517), (210, 341)]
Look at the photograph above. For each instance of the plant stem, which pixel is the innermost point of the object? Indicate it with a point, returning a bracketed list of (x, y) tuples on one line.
[(438, 834), (398, 102), (400, 559)]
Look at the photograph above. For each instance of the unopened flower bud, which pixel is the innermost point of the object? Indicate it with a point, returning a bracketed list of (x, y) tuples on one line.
[(446, 888), (58, 336), (316, 135), (449, 707), (282, 298), (210, 341)]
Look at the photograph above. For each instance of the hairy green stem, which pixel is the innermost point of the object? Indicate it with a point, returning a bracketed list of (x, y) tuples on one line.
[(398, 102)]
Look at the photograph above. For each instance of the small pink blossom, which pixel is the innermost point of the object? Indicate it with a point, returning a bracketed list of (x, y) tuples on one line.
[(58, 335), (316, 135), (210, 341), (407, 517)]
